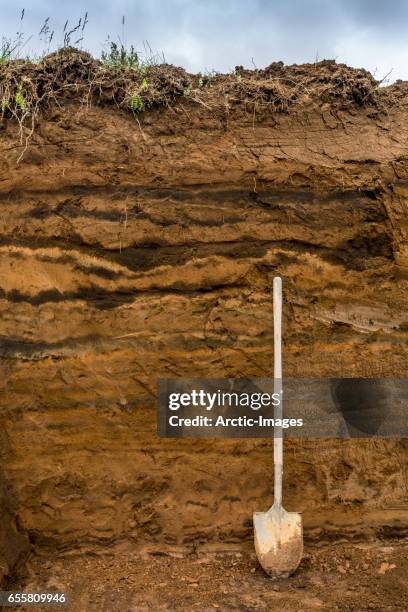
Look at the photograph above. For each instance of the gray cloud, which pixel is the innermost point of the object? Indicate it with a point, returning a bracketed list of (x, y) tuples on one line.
[(219, 34)]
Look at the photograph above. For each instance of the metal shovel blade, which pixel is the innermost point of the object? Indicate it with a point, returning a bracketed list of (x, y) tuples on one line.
[(278, 541)]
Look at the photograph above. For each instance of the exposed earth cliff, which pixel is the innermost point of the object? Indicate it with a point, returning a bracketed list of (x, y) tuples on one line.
[(142, 245)]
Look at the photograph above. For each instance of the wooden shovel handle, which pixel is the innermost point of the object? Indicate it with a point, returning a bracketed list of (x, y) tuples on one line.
[(277, 388)]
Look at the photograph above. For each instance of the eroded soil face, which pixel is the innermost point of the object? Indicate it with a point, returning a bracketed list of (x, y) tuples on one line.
[(338, 576), (138, 250)]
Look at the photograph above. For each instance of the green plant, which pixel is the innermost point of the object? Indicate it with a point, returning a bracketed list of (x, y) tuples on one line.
[(136, 103), (9, 48), (206, 79), (19, 98), (119, 57)]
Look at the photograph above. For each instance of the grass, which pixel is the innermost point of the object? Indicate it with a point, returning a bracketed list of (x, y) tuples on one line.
[(120, 58), (115, 54)]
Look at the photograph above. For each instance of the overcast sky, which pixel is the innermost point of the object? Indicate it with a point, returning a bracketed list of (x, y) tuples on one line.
[(220, 34)]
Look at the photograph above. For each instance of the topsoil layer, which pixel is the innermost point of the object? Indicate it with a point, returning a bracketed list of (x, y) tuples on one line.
[(71, 74)]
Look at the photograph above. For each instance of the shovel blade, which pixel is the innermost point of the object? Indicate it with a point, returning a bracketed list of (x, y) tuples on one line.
[(278, 541)]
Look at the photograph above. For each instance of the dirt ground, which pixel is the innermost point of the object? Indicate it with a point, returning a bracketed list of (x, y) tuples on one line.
[(332, 576)]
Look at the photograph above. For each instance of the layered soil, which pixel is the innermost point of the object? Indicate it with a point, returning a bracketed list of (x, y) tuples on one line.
[(139, 246)]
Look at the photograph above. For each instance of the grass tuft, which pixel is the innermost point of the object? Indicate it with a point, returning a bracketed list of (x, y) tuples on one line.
[(119, 57)]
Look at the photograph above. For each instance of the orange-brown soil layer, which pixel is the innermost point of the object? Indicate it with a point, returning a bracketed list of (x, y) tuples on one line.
[(134, 249)]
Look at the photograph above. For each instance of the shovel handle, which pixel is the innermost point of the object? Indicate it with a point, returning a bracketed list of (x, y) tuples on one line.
[(277, 388)]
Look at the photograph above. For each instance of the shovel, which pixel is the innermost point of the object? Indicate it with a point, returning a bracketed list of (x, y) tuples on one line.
[(278, 534)]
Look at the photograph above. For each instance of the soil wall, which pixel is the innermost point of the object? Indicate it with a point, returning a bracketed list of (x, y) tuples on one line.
[(141, 248)]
